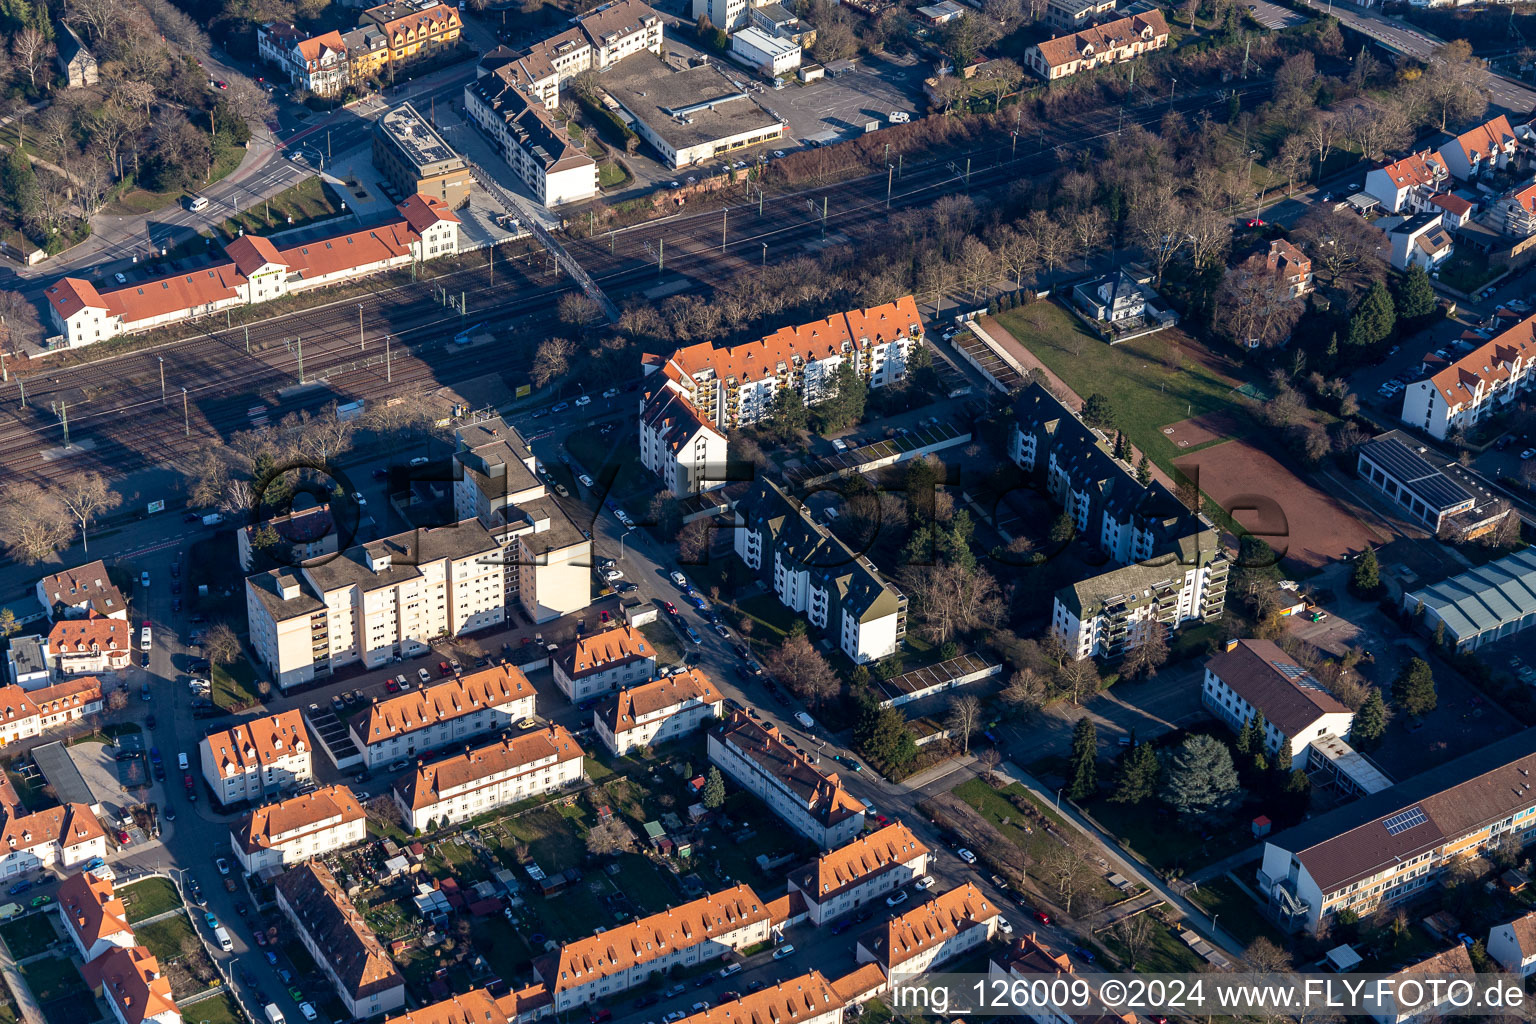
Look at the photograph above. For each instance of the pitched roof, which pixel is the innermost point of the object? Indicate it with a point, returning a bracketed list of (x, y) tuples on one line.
[(628, 945), (421, 212), (477, 1006), (247, 746), (131, 980), (1480, 142), (786, 1002), (1489, 363), (1452, 204), (624, 711), (616, 19), (672, 417), (79, 692), (1484, 597), (507, 91), (821, 793), (491, 687), (1424, 168), (603, 650), (69, 825), (280, 823), (865, 858), (86, 584), (426, 785), (1108, 36), (1525, 933), (355, 956), (939, 920), (1455, 960), (91, 909), (92, 633), (1282, 691), (252, 252), (314, 47)]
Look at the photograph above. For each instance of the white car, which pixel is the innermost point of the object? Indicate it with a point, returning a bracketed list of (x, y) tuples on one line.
[(783, 951), (900, 117), (120, 277), (357, 496), (1529, 453), (584, 400), (420, 460), (680, 580), (966, 855), (1003, 926), (897, 898), (613, 574), (925, 883), (586, 481), (611, 393)]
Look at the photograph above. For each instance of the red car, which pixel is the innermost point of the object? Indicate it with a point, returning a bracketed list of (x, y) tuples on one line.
[(391, 686), (444, 669), (123, 837), (1042, 917), (671, 608)]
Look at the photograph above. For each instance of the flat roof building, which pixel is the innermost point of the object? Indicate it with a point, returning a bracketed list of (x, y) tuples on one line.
[(690, 116), (415, 158)]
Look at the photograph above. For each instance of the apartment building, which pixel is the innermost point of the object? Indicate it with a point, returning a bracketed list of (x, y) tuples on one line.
[(376, 603), (597, 663), (807, 999), (812, 802), (657, 712), (1030, 960), (309, 825), (688, 454), (1477, 152), (929, 934), (415, 159), (1437, 1001), (1480, 383), (545, 558), (814, 573), (1394, 844), (478, 1006), (510, 109), (81, 592), (1291, 265), (611, 962), (735, 385), (451, 711), (28, 713), (92, 645), (1513, 945), (1514, 212), (1410, 183), (1108, 614), (302, 535), (867, 869), (1113, 42), (415, 29), (1074, 15), (28, 663), (725, 15), (94, 918), (253, 271), (467, 785), (318, 64), (1255, 677), (335, 934), (256, 759), (66, 836), (131, 982)]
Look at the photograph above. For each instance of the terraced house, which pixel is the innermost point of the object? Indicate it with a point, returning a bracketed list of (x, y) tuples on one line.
[(94, 918), (1479, 384), (814, 573), (1113, 42), (867, 869), (415, 29), (811, 801), (28, 713), (469, 784), (403, 727), (656, 712), (255, 759), (66, 836), (808, 999), (335, 934), (292, 830), (604, 965), (941, 929)]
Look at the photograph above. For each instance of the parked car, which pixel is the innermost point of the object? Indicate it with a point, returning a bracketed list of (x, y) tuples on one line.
[(897, 898), (966, 855), (423, 675), (786, 950)]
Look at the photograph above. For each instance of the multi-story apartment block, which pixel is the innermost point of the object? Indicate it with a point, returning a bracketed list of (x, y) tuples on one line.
[(28, 713), (478, 1006), (301, 535), (725, 15), (1255, 677), (94, 918), (470, 784), (316, 63), (258, 758), (1113, 42), (129, 978), (1292, 266), (687, 453), (376, 603), (1480, 383), (1408, 184), (304, 826), (545, 559), (603, 965), (1112, 612), (367, 54), (808, 999), (340, 941), (415, 159), (1478, 151), (1074, 15), (656, 712), (510, 109), (90, 645), (869, 868), (814, 573), (454, 710), (1394, 844), (416, 29), (80, 593), (597, 663), (1514, 213), (941, 929), (812, 802), (735, 386), (66, 836)]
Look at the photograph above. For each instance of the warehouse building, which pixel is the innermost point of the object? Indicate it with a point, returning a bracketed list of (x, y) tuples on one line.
[(690, 116), (1481, 605)]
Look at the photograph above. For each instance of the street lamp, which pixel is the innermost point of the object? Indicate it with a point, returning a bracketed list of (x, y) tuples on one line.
[(186, 420), (622, 538), (162, 379)]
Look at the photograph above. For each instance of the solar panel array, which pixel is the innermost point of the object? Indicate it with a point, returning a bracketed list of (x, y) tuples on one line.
[(1402, 821)]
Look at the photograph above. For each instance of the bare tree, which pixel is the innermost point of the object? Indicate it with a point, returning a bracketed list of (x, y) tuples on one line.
[(964, 719), (1337, 242), (950, 600), (1069, 873), (1147, 648), (802, 668), (1321, 133), (100, 18), (1019, 254), (1025, 693), (220, 645), (117, 700), (87, 496), (1090, 229), (1254, 307), (383, 810), (1452, 84), (551, 361), (30, 53), (34, 523), (611, 836), (978, 265), (1079, 677), (987, 762), (1051, 237), (1264, 957), (1158, 226), (1210, 236), (1135, 935)]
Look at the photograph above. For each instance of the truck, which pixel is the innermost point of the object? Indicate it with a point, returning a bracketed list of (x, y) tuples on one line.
[(805, 720), (274, 1015), (213, 519)]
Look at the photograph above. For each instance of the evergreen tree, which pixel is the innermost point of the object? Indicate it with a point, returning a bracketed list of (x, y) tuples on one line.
[(1373, 320), (1440, 633), (1063, 529), (1098, 411), (714, 788), (1283, 759), (1245, 738), (1370, 722), (1144, 471), (1414, 688), (1084, 760), (1333, 346), (1260, 728), (1415, 296), (1366, 579), (1137, 779), (1201, 780)]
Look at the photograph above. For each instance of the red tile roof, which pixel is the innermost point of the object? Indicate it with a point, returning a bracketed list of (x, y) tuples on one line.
[(1109, 36), (91, 909), (1416, 169), (130, 979), (1485, 138), (1486, 364)]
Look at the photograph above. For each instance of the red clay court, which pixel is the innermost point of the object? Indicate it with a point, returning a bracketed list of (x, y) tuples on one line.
[(1202, 430)]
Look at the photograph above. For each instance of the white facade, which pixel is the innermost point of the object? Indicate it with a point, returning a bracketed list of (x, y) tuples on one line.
[(688, 454), (725, 15), (66, 836), (301, 827), (258, 758), (772, 56), (809, 801), (931, 933), (1407, 185), (1226, 704), (470, 784), (868, 869), (1480, 383), (447, 712), (1420, 242), (1513, 945), (600, 662), (656, 712)]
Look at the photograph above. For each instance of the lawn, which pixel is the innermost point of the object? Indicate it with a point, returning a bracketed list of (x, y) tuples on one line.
[(503, 946), (148, 898), (234, 685), (1146, 393), (1164, 954), (552, 839), (662, 637), (1156, 833), (994, 805), (213, 1010), (611, 175), (28, 936), (1235, 911), (53, 977), (771, 619), (141, 200), (164, 938)]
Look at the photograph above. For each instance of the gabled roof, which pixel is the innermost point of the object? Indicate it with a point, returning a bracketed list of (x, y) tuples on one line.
[(86, 585), (353, 952), (69, 295), (1479, 142), (477, 1006), (818, 792), (491, 687), (69, 825), (860, 861), (1452, 204), (1424, 168), (131, 980), (624, 711), (284, 822), (248, 746), (919, 929), (1488, 364), (421, 212), (511, 755), (91, 909), (315, 47), (1282, 691), (1108, 36), (1524, 929), (603, 650), (252, 252), (617, 20), (797, 999), (672, 417)]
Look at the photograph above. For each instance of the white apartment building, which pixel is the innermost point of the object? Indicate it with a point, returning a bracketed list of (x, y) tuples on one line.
[(258, 758), (812, 802), (867, 869), (1513, 945), (92, 645), (1478, 384), (335, 934), (1255, 677), (28, 713), (610, 659), (513, 113), (80, 593), (66, 836), (608, 963), (451, 711), (941, 929), (725, 15), (1408, 185), (546, 558), (94, 918), (1490, 146), (129, 978), (808, 999), (771, 55), (656, 712), (310, 825), (467, 785), (377, 603), (1437, 1001), (688, 454)]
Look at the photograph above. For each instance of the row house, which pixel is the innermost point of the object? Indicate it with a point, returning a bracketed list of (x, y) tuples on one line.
[(941, 929), (94, 918), (293, 830), (92, 645), (688, 454), (63, 836), (814, 573), (1480, 383), (468, 785), (1407, 185), (28, 713), (1477, 152), (80, 593), (807, 999), (1255, 677), (511, 112), (867, 869), (349, 953), (254, 271), (415, 29), (657, 712), (388, 36), (130, 980), (448, 712), (377, 603), (255, 759), (601, 662), (614, 961), (812, 802), (1397, 843), (1113, 42), (479, 1006), (545, 558)]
